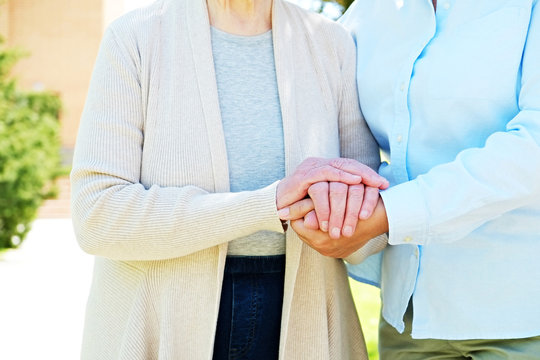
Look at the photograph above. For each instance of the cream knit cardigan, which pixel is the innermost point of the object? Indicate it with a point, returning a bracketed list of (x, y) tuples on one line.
[(150, 185)]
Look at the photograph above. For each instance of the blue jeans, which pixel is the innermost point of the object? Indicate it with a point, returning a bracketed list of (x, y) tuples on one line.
[(249, 318)]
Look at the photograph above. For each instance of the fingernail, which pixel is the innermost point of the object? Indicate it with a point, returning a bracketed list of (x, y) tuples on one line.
[(283, 213), (364, 215), (347, 230), (335, 232), (324, 226)]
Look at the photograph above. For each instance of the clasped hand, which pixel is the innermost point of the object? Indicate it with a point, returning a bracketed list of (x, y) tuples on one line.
[(333, 204)]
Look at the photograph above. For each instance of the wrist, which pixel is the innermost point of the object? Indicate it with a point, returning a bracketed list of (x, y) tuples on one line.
[(380, 212)]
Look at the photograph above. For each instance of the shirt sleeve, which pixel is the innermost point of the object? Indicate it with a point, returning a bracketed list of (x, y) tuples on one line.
[(114, 215), (485, 182)]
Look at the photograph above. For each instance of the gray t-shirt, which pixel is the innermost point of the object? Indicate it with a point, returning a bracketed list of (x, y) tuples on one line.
[(251, 116)]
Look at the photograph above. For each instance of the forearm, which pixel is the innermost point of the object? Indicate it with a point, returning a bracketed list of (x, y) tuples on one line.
[(128, 222)]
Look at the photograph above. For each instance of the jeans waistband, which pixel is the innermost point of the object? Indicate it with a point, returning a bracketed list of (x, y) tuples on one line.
[(255, 264)]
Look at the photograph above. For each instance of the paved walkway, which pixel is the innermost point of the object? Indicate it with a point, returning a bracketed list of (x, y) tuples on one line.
[(43, 290)]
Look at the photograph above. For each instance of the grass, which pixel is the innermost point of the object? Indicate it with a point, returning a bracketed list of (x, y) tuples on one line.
[(3, 251), (368, 305)]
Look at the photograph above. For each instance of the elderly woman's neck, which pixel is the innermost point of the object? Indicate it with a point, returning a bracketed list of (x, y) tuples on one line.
[(241, 17)]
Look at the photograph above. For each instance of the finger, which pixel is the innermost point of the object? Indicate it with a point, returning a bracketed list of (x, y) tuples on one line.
[(296, 210), (354, 203), (327, 172), (371, 197), (369, 176), (338, 202), (311, 221), (318, 192), (294, 188)]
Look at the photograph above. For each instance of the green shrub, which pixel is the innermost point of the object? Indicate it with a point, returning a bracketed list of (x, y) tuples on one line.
[(29, 152), (343, 3)]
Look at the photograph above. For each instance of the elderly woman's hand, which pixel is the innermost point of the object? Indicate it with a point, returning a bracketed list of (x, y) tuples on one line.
[(341, 246), (316, 170), (338, 207), (334, 206)]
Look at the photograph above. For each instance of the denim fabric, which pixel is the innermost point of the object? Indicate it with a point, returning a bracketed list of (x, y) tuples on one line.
[(250, 310)]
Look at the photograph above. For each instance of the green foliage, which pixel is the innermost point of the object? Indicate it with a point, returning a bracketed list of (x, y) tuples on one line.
[(343, 3), (368, 305), (29, 152), (336, 7)]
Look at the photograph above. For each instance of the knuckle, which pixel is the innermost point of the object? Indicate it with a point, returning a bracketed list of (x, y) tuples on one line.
[(355, 200), (372, 189), (325, 171), (356, 193), (323, 213), (339, 186), (318, 188), (338, 189), (338, 163), (357, 188), (312, 162), (369, 202), (373, 194)]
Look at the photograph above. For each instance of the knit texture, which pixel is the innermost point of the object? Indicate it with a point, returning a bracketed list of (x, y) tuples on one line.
[(150, 188)]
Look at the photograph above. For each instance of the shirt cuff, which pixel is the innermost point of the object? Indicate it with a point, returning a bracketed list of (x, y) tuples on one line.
[(407, 214)]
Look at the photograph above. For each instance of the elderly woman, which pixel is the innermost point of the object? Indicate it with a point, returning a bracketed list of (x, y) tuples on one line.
[(195, 111)]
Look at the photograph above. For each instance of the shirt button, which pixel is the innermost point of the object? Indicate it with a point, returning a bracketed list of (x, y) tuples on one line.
[(446, 5), (399, 138), (402, 86), (407, 239)]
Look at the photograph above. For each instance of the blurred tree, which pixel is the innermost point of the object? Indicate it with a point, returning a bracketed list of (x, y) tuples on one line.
[(331, 8), (343, 3), (29, 151)]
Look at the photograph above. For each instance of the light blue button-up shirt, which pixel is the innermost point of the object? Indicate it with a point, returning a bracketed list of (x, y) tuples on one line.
[(453, 98)]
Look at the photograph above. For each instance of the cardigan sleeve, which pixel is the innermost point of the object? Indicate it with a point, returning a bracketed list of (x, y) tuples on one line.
[(356, 140), (114, 215)]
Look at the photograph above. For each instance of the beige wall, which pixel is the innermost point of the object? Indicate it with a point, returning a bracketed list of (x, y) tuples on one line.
[(4, 19), (62, 37)]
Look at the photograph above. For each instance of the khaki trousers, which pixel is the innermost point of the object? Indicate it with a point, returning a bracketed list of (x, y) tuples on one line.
[(396, 346)]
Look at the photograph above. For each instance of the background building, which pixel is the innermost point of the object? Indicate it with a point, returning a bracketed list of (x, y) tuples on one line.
[(61, 38)]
